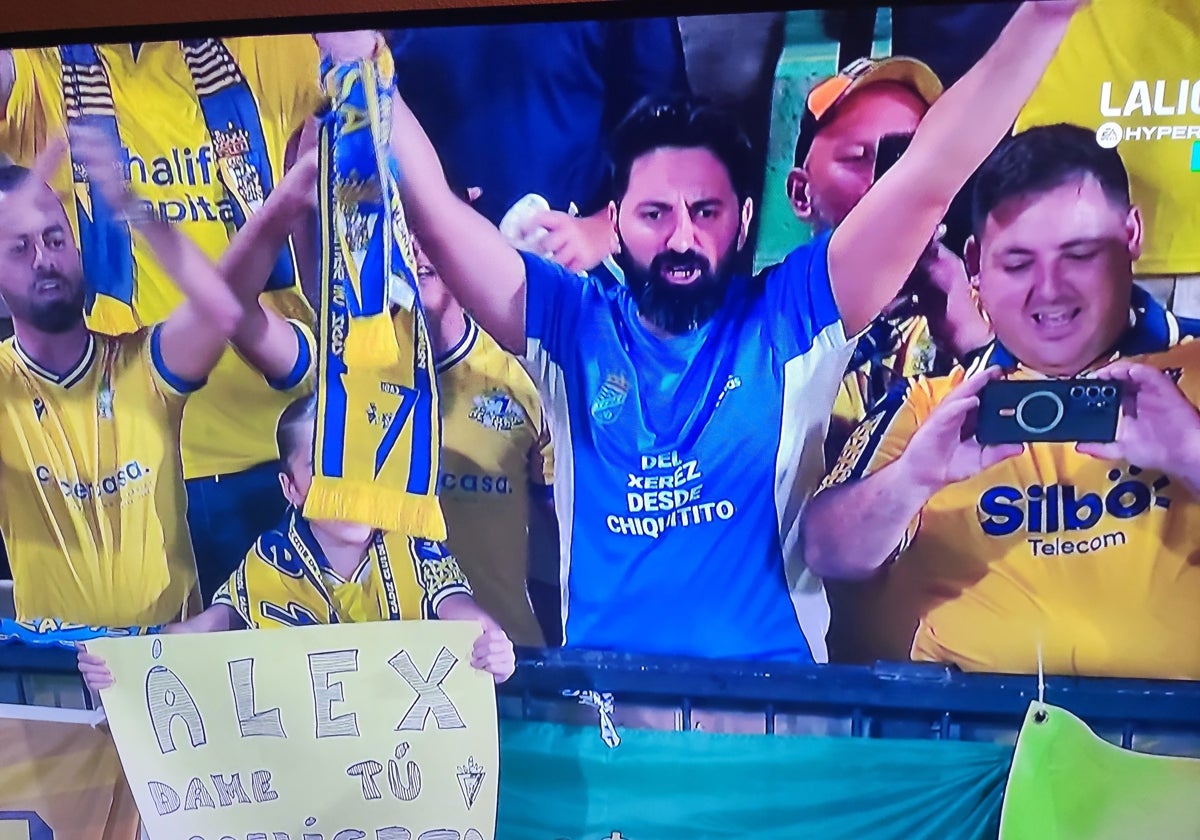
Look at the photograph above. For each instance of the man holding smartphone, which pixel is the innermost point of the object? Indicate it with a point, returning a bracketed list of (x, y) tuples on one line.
[(1082, 551)]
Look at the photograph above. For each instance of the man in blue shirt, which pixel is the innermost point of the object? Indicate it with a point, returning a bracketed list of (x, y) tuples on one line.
[(690, 405)]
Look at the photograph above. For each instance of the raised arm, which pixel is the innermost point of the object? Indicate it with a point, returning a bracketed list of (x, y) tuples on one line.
[(263, 337), (479, 267), (940, 451), (874, 250), (194, 336)]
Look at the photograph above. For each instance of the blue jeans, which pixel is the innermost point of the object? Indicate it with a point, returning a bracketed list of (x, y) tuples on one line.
[(226, 514)]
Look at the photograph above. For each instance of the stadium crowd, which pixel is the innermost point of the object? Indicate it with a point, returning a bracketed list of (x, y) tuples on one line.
[(644, 445)]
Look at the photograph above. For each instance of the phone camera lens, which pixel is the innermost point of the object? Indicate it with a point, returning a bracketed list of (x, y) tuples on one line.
[(1077, 392), (1108, 392), (1093, 392)]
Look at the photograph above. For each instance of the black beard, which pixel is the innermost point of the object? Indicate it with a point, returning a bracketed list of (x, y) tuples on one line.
[(52, 317), (674, 308)]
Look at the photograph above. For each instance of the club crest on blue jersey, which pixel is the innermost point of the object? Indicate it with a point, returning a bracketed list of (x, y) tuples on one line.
[(496, 410), (607, 404)]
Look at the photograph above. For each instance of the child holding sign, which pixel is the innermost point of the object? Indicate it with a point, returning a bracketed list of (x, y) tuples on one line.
[(306, 572)]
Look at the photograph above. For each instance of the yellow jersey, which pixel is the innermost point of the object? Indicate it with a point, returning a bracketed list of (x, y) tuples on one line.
[(496, 453), (230, 425), (286, 581), (1095, 561), (907, 349), (94, 512), (1127, 68)]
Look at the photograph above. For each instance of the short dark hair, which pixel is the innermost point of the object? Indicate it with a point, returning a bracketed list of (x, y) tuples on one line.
[(299, 417), (682, 122), (11, 177), (1042, 159)]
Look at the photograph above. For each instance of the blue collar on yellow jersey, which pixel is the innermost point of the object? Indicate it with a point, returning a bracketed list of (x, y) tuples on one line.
[(461, 349)]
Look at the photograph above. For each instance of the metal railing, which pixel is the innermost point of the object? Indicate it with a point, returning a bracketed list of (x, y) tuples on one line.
[(887, 700)]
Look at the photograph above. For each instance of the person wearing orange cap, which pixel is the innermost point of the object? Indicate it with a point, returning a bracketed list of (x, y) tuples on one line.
[(852, 120)]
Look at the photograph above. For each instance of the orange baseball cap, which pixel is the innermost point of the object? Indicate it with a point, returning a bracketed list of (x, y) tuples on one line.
[(828, 94)]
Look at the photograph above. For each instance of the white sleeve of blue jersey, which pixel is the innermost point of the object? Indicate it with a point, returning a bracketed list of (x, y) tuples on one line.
[(800, 295), (553, 300)]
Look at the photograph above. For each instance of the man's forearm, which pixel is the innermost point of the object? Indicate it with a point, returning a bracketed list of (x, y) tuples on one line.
[(974, 114), (875, 248), (194, 273), (252, 253), (850, 530), (480, 268), (265, 339)]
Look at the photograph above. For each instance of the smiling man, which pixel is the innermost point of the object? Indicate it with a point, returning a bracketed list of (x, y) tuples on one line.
[(979, 555), (689, 405)]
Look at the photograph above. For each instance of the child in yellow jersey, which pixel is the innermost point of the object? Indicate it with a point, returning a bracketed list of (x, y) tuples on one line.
[(307, 572), (94, 506), (987, 556)]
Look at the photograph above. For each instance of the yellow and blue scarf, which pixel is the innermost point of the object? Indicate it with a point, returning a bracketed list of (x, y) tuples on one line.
[(64, 635), (378, 440), (243, 163)]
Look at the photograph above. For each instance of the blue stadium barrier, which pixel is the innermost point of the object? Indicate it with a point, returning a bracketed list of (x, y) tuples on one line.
[(887, 700)]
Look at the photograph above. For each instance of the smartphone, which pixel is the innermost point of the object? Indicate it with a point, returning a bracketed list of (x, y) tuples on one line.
[(1052, 411), (889, 150), (891, 147)]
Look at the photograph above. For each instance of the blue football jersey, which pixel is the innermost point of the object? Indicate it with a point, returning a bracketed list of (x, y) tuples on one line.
[(682, 463)]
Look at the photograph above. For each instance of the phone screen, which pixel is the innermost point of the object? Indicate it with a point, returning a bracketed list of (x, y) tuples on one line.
[(891, 147)]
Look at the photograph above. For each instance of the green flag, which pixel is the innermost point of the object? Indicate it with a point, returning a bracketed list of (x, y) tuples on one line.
[(1068, 784), (562, 783)]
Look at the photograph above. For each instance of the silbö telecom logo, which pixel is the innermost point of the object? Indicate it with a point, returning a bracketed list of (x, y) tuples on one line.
[(1051, 516)]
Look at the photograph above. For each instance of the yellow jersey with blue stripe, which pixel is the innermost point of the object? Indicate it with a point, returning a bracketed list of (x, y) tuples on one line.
[(496, 457), (1094, 561), (889, 351), (94, 512), (230, 425), (1127, 69), (286, 581)]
